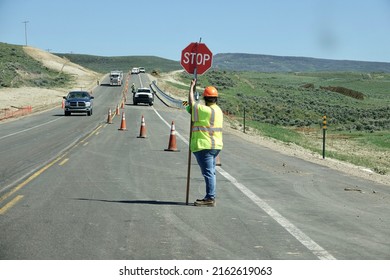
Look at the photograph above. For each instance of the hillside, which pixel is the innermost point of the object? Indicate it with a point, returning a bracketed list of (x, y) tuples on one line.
[(28, 66), (105, 64), (17, 69), (269, 63), (231, 62), (30, 77)]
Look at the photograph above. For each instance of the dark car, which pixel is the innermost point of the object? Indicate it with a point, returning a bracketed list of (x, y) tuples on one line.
[(78, 102), (143, 95)]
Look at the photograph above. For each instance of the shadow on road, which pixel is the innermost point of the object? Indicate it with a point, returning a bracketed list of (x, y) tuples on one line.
[(151, 202)]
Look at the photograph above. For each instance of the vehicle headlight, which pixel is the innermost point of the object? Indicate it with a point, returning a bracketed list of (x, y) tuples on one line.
[(88, 104), (67, 103)]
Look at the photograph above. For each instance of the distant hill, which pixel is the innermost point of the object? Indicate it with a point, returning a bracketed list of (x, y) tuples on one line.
[(270, 63), (229, 61), (104, 64)]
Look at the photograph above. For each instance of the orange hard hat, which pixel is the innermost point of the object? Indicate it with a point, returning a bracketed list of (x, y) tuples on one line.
[(210, 91)]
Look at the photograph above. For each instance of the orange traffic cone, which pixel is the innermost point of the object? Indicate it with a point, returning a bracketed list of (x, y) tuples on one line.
[(142, 130), (109, 117), (63, 104), (117, 110), (172, 140), (123, 122)]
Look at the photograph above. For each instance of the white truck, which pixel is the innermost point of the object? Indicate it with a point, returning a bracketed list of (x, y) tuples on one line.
[(116, 78)]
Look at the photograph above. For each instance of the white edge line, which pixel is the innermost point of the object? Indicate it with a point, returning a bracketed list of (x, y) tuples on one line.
[(30, 128), (164, 121), (310, 244), (305, 240)]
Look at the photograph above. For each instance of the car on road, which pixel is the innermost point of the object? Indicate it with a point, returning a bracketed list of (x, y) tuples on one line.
[(135, 70), (142, 69), (78, 102), (143, 95)]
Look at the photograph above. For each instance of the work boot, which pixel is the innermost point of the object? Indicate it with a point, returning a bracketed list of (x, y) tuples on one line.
[(205, 202)]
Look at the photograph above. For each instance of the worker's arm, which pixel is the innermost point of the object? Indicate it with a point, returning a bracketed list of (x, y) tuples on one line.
[(191, 99)]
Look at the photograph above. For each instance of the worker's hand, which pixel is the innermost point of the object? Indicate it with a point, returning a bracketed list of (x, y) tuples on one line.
[(191, 92), (193, 83)]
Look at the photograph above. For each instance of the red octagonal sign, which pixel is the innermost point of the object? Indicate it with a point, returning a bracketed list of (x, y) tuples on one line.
[(196, 56)]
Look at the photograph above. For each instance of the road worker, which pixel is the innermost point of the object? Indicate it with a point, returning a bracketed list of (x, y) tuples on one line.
[(206, 138), (133, 88)]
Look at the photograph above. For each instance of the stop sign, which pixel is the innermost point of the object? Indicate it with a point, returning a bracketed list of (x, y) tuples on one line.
[(196, 56)]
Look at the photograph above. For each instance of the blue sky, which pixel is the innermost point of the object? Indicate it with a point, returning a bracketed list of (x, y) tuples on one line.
[(334, 29)]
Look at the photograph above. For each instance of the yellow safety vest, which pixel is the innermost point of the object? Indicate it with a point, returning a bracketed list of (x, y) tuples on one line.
[(206, 128)]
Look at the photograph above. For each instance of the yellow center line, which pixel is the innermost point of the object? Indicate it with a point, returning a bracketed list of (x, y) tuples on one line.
[(95, 131), (10, 204), (63, 162), (43, 169), (29, 179)]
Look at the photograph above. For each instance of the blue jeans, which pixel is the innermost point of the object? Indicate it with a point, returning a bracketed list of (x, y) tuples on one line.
[(206, 161)]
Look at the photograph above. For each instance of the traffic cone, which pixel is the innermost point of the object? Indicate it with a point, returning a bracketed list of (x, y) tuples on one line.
[(63, 104), (117, 110), (123, 122), (172, 140), (109, 117), (142, 130)]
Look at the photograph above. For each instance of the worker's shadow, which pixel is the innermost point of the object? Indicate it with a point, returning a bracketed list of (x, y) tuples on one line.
[(138, 201)]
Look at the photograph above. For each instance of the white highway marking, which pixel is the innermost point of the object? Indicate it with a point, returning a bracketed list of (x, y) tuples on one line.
[(27, 129), (310, 244), (305, 240)]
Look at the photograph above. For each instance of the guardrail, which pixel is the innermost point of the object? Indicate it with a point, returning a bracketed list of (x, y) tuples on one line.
[(165, 98)]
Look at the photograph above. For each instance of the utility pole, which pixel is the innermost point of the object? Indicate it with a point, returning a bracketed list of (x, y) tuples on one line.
[(25, 30), (324, 127)]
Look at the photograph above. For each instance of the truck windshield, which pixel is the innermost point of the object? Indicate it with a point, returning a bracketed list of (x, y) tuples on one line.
[(78, 95)]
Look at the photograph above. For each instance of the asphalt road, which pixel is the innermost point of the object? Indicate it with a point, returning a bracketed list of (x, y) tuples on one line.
[(78, 188)]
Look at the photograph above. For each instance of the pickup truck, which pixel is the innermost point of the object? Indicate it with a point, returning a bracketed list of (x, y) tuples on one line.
[(143, 95), (78, 102), (135, 70)]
